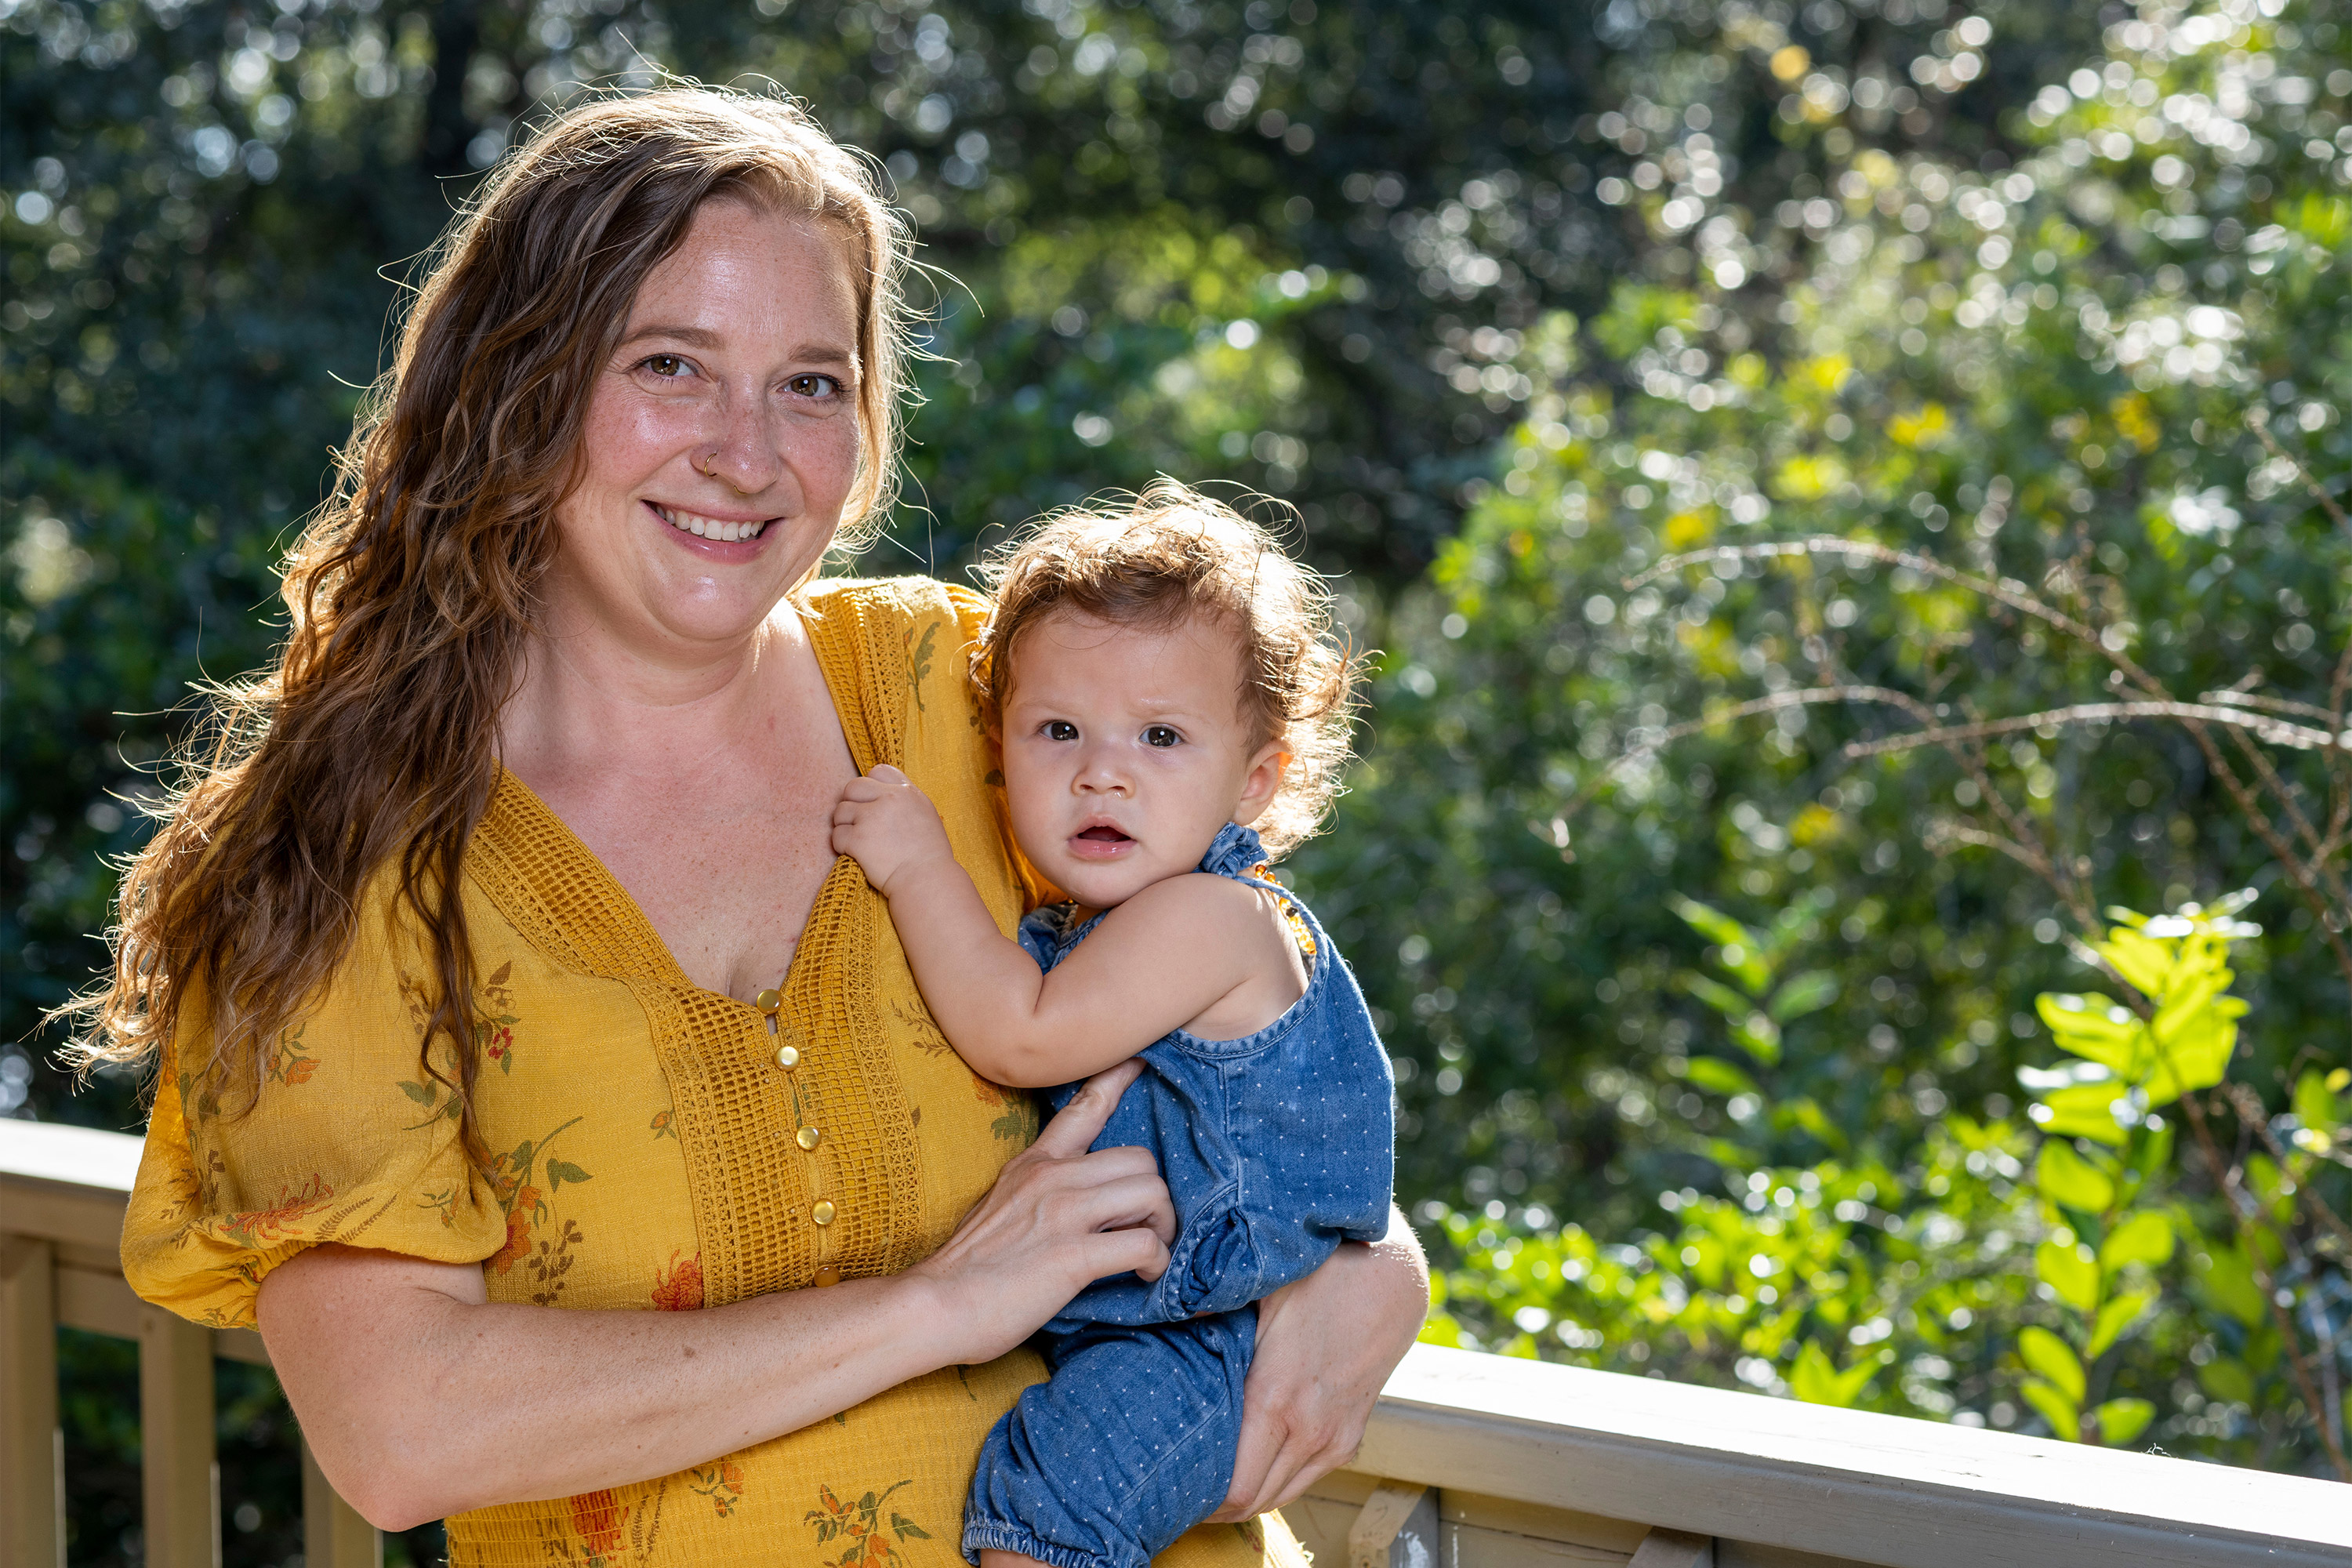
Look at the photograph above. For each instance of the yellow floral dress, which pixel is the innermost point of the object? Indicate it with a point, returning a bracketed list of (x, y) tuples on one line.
[(652, 1153)]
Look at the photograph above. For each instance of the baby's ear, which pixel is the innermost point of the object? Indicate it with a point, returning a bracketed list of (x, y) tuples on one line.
[(1261, 783)]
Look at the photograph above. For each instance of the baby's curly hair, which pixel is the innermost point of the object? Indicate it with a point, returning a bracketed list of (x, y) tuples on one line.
[(1169, 555)]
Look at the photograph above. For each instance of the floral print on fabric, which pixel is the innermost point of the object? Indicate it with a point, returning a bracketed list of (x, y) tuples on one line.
[(287, 1065), (867, 1538), (722, 1483), (529, 1210), (678, 1287)]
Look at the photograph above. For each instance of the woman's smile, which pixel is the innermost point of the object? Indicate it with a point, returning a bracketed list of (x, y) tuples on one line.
[(712, 530)]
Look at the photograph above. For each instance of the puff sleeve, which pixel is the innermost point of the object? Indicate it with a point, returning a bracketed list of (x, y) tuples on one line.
[(348, 1142)]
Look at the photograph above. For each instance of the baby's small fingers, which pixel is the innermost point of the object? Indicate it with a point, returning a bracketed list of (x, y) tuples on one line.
[(884, 773)]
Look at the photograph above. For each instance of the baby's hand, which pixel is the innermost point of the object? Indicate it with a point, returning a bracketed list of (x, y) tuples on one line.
[(888, 826)]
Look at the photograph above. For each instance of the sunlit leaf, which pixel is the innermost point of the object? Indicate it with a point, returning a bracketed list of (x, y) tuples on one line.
[(2083, 1110), (1717, 1075), (2226, 1379), (2222, 1274), (2096, 1028), (1807, 993), (2145, 1237), (1816, 1380), (1717, 995), (2121, 1420), (2074, 1278), (2063, 1414), (2065, 1177), (2117, 1315), (2315, 1101), (2051, 1356), (1758, 1037), (2144, 961)]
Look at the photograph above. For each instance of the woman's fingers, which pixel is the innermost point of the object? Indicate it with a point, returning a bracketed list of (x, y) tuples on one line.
[(1139, 1202), (1135, 1249), (1077, 1125), (1272, 1465)]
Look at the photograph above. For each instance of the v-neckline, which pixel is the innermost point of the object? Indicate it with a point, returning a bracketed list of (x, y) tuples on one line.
[(642, 952)]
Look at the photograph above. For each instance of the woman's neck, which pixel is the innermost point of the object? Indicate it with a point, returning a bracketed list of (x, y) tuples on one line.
[(705, 785), (588, 699)]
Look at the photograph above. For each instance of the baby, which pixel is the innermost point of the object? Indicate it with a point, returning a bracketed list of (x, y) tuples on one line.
[(1162, 683)]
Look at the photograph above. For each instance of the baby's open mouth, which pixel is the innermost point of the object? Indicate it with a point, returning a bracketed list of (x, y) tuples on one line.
[(1104, 836)]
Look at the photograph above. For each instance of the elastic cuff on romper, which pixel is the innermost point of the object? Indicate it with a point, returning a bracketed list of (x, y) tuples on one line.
[(999, 1535)]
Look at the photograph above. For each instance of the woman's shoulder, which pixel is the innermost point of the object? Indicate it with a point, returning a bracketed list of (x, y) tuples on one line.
[(911, 598), (898, 651)]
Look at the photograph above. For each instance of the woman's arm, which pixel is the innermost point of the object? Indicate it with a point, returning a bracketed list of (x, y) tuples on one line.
[(1324, 1346), (423, 1398)]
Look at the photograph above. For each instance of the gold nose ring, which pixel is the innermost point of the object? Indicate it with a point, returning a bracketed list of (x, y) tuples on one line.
[(702, 465)]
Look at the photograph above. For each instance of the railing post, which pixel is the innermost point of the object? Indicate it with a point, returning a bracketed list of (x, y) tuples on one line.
[(179, 1473), (1674, 1549), (333, 1533), (32, 1446), (1397, 1528)]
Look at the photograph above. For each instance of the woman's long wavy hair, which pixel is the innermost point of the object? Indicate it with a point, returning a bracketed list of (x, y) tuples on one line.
[(371, 742)]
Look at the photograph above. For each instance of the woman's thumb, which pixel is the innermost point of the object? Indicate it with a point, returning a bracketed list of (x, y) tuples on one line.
[(1076, 1126)]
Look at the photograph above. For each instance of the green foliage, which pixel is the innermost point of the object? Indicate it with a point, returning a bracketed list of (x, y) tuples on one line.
[(1962, 371)]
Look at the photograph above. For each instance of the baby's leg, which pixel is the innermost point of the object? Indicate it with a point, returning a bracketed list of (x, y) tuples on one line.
[(1127, 1447)]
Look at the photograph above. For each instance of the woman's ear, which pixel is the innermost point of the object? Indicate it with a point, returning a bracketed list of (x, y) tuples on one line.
[(1261, 783)]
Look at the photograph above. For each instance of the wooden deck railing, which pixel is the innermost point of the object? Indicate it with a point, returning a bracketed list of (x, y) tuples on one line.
[(1472, 1461)]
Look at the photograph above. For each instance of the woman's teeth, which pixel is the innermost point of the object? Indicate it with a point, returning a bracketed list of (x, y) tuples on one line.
[(709, 527)]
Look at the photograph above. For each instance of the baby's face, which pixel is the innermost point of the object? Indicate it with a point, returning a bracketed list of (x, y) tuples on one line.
[(1126, 751)]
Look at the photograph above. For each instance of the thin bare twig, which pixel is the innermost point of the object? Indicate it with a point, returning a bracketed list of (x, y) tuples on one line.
[(2230, 698), (2249, 1107), (2006, 591), (1945, 831), (2262, 428), (1778, 702), (2277, 731)]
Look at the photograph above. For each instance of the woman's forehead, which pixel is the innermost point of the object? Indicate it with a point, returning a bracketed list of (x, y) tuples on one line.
[(740, 256)]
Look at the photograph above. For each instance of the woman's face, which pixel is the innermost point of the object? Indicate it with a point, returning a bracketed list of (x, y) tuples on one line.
[(721, 437)]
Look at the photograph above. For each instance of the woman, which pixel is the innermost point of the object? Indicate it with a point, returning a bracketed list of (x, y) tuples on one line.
[(498, 964)]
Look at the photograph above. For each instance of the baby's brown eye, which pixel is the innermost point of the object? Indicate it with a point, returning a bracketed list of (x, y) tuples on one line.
[(1161, 735), (1060, 730)]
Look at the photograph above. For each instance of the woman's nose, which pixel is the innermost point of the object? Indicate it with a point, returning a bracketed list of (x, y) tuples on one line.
[(748, 455)]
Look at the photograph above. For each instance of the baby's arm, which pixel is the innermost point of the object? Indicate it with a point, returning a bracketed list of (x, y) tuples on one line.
[(1164, 958)]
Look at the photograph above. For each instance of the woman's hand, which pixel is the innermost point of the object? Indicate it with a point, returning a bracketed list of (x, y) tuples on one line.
[(1058, 1219), (1324, 1346)]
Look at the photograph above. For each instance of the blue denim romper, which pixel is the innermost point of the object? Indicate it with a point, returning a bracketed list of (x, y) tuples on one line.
[(1275, 1148)]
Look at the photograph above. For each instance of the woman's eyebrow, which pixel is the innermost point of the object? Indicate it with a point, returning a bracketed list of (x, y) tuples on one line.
[(704, 338), (694, 337)]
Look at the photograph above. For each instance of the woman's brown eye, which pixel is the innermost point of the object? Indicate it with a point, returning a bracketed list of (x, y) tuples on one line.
[(815, 386), (666, 365)]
